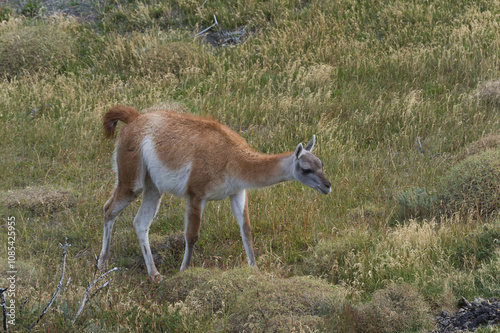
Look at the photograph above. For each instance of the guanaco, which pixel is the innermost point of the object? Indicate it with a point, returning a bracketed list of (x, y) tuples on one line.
[(196, 158)]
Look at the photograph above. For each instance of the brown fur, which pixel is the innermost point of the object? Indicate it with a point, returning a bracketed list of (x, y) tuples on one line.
[(209, 159), (118, 113), (175, 135)]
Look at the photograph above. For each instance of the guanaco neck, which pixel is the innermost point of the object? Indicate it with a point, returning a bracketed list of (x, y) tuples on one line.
[(260, 170)]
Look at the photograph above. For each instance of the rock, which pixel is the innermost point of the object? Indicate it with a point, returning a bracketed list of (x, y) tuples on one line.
[(470, 316)]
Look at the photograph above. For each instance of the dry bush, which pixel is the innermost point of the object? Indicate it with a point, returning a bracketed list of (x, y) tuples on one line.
[(488, 142), (395, 309), (38, 199), (284, 305), (35, 48), (171, 58), (489, 91), (248, 300), (176, 288), (472, 185), (415, 203)]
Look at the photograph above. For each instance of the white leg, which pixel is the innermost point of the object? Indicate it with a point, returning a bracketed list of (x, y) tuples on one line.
[(142, 221), (239, 206), (194, 211), (112, 208)]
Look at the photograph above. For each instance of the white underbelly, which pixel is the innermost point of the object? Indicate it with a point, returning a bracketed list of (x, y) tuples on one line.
[(165, 179), (229, 187)]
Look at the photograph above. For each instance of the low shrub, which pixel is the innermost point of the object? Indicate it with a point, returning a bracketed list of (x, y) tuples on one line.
[(248, 300), (415, 203), (489, 91), (35, 48), (472, 185), (284, 305), (177, 287), (38, 199), (395, 309), (487, 142), (476, 248)]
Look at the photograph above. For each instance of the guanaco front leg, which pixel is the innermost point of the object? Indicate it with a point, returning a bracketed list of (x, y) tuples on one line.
[(239, 206)]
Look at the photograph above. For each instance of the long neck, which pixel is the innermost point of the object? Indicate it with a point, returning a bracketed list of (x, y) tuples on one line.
[(261, 170)]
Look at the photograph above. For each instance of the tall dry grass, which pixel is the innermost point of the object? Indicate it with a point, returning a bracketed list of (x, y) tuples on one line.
[(395, 91)]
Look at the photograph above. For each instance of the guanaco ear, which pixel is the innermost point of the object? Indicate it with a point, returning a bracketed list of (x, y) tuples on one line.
[(310, 145), (298, 151)]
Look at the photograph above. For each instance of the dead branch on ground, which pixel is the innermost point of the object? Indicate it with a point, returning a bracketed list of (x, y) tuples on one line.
[(91, 284), (66, 245)]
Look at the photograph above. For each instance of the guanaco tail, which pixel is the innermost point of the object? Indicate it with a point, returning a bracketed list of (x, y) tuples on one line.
[(198, 159)]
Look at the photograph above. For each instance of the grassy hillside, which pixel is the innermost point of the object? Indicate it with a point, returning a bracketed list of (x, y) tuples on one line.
[(403, 97)]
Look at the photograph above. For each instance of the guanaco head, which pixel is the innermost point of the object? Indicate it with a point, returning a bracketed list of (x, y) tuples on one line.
[(307, 168)]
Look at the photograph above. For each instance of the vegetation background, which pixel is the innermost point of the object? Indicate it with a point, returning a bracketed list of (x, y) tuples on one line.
[(402, 95)]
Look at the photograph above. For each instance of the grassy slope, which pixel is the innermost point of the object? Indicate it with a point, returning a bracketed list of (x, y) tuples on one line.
[(370, 79)]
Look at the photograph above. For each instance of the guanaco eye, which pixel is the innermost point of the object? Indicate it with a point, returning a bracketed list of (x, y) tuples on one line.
[(306, 171)]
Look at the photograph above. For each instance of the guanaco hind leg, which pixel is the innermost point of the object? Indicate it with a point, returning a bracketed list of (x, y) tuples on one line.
[(149, 207), (119, 200)]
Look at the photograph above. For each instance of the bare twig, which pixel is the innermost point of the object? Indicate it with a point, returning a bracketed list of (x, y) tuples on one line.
[(24, 303), (66, 245), (91, 284), (420, 146), (66, 287), (210, 27), (2, 304), (203, 4), (102, 287)]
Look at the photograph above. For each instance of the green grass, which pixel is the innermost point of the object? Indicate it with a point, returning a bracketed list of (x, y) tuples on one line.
[(397, 92)]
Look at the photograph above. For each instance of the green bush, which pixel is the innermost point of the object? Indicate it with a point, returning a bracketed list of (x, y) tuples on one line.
[(479, 247), (415, 203), (472, 185), (35, 48)]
